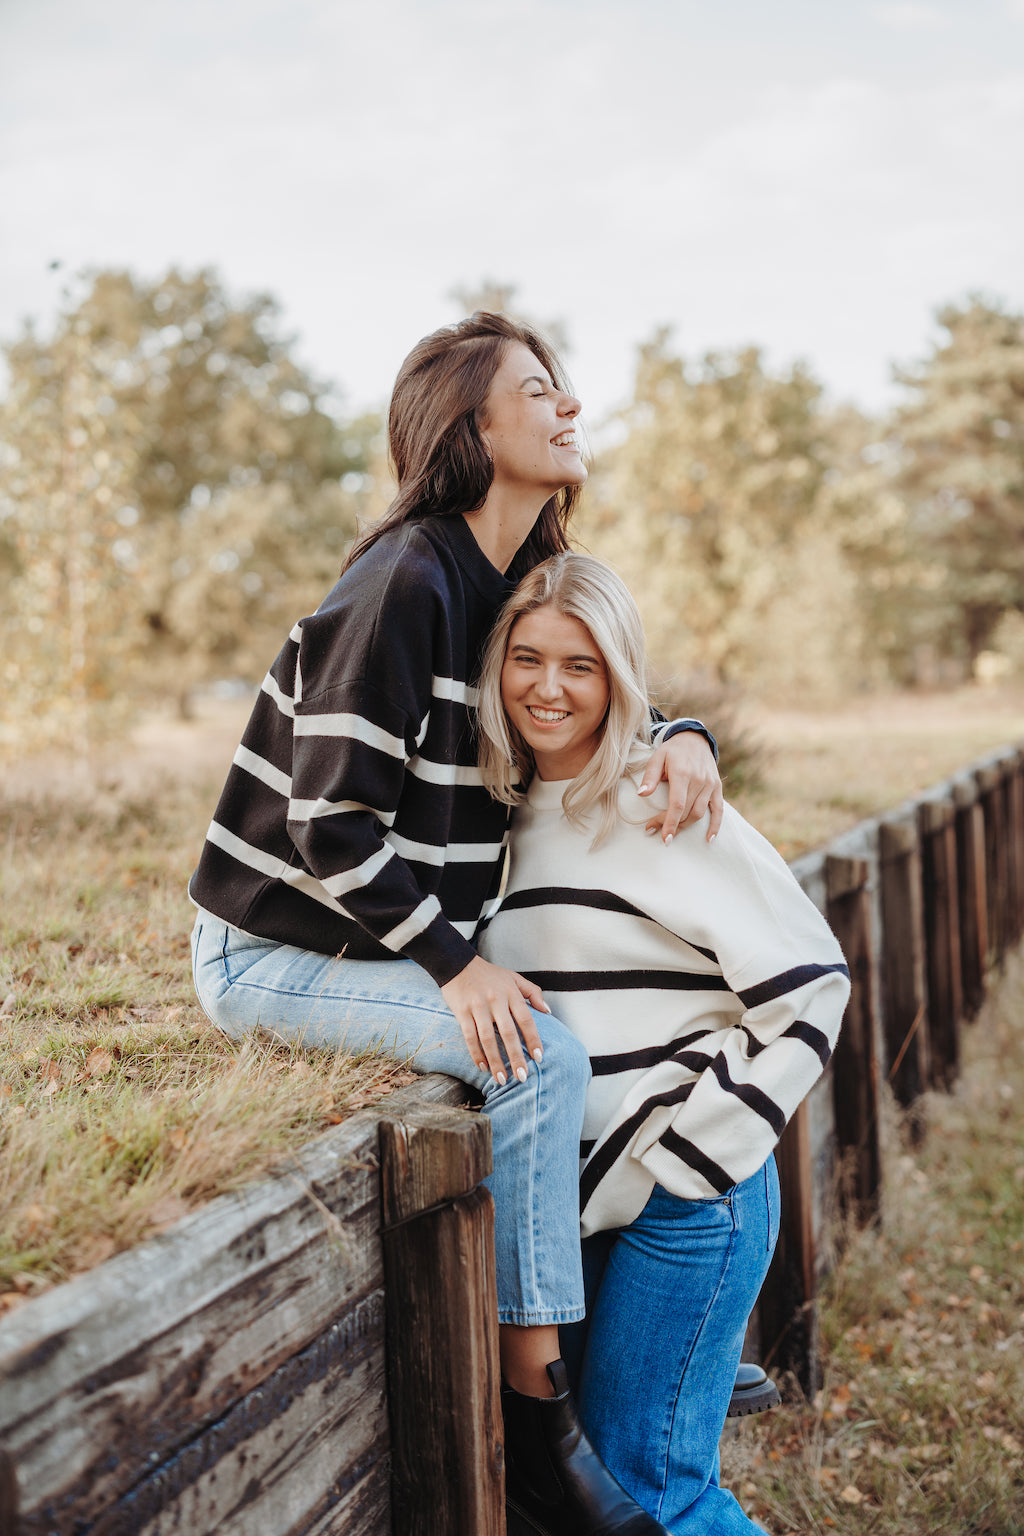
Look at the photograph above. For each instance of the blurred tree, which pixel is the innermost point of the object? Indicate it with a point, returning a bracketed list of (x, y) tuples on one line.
[(711, 505), (173, 487), (961, 471)]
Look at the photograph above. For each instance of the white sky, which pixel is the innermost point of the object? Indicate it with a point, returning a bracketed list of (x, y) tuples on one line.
[(814, 176)]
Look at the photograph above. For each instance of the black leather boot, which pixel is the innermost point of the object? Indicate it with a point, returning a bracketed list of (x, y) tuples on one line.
[(555, 1482), (754, 1391)]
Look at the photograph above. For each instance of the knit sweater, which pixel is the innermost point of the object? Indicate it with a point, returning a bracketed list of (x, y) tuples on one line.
[(354, 820), (705, 985)]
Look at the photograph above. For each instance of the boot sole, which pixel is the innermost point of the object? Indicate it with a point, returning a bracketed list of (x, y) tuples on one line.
[(758, 1400)]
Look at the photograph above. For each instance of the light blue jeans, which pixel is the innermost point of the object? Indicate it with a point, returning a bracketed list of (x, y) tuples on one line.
[(654, 1364), (393, 1007)]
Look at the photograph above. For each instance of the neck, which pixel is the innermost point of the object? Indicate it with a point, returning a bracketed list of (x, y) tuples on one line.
[(502, 525)]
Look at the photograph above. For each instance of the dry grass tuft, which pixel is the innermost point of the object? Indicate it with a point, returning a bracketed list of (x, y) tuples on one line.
[(919, 1428), (120, 1106)]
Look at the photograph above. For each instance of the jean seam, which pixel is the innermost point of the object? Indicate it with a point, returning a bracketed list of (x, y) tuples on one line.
[(726, 1260)]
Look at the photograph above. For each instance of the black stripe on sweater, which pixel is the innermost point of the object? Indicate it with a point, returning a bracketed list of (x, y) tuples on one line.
[(602, 901), (632, 1061), (754, 1098), (609, 1153), (815, 1039), (786, 981), (626, 981), (690, 1154)]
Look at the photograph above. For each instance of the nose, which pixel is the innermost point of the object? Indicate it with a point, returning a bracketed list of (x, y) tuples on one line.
[(569, 406), (548, 683)]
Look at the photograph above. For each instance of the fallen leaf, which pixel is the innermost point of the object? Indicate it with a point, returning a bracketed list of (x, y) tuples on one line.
[(851, 1495), (50, 1088), (95, 1248), (9, 1003), (300, 1069), (5, 1090), (98, 1061), (165, 1212)]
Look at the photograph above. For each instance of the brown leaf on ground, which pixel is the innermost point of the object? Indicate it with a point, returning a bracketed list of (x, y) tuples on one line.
[(851, 1495), (94, 1248), (165, 1212), (98, 1062), (9, 1003)]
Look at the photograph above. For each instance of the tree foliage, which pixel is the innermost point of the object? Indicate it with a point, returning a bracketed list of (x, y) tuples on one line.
[(961, 470), (712, 506), (172, 483)]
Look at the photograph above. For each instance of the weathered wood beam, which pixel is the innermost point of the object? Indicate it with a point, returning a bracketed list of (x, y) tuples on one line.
[(443, 1371)]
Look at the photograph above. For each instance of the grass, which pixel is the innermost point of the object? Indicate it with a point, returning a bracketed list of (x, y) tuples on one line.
[(919, 1428), (120, 1106)]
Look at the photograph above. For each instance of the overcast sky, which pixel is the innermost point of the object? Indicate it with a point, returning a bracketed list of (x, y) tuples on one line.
[(814, 176)]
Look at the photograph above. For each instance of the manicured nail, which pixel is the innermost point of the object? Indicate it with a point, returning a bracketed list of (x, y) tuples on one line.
[(521, 1074), (482, 1065), (645, 789), (502, 1079), (668, 839), (543, 1008), (712, 838), (650, 831), (538, 1054)]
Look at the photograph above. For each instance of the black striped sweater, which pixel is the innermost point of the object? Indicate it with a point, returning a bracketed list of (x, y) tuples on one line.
[(354, 820), (704, 983)]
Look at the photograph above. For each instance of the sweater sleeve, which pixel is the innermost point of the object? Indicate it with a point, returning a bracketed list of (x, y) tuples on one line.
[(780, 958), (353, 747)]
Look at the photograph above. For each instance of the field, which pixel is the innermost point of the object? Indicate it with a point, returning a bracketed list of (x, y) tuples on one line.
[(120, 1108)]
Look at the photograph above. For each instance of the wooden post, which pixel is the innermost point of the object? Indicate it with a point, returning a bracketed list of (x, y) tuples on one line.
[(942, 937), (855, 1060), (443, 1374), (989, 777), (787, 1308), (972, 895), (904, 1008), (1013, 793)]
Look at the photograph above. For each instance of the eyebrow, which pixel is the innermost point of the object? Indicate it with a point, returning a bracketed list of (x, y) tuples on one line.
[(520, 645), (535, 378)]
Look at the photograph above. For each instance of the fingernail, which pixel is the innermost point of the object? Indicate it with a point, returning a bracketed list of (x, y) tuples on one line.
[(482, 1065), (644, 789), (501, 1078), (649, 831), (521, 1074), (544, 1008), (538, 1054), (713, 836), (668, 839)]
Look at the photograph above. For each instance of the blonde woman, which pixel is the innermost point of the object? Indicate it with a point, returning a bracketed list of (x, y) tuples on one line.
[(708, 992)]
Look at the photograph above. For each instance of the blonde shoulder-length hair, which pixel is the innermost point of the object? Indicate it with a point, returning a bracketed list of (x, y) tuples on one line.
[(588, 590)]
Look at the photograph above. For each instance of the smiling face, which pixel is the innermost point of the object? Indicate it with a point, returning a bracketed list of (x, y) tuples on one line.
[(528, 426), (554, 688)]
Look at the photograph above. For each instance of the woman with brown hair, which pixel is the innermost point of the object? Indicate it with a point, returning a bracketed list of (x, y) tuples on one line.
[(355, 848)]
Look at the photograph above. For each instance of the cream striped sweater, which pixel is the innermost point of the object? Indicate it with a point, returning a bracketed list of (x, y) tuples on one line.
[(705, 985)]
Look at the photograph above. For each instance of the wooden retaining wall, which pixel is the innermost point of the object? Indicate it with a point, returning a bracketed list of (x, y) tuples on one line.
[(316, 1355), (925, 900)]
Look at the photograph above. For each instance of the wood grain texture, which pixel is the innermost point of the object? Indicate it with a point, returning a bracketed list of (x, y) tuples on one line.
[(106, 1377), (940, 891), (443, 1372), (855, 1069), (904, 999)]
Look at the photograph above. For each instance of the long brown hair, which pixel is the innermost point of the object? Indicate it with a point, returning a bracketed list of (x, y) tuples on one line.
[(440, 461)]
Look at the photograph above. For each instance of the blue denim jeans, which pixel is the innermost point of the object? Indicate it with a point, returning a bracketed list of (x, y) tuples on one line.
[(654, 1364), (393, 1007)]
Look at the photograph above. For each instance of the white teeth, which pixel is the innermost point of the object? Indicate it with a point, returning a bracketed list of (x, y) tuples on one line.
[(547, 715), (565, 440)]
